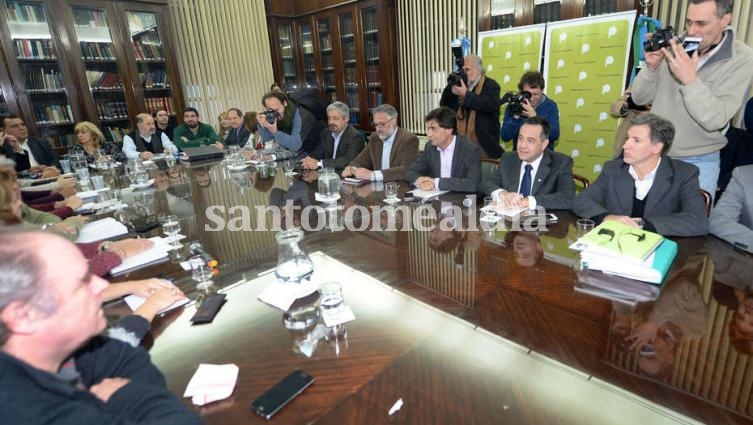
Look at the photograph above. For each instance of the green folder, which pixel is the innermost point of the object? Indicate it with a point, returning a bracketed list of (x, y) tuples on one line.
[(620, 240)]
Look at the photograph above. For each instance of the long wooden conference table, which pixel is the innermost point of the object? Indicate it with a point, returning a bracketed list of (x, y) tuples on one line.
[(485, 328)]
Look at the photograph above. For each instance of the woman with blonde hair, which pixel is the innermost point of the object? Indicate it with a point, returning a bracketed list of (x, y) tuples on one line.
[(223, 126), (92, 142)]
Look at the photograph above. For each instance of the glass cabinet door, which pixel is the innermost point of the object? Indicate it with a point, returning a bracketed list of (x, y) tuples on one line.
[(350, 74), (150, 61), (307, 48), (38, 60), (371, 59), (290, 79), (94, 38), (328, 61)]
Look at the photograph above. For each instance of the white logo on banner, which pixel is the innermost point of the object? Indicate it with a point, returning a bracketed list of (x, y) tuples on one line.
[(602, 116), (608, 61), (557, 90), (526, 66), (560, 63), (575, 153), (505, 79), (508, 54), (600, 143), (612, 32), (577, 129), (490, 45), (580, 102), (582, 76), (584, 48), (563, 37), (606, 88), (597, 168), (528, 41)]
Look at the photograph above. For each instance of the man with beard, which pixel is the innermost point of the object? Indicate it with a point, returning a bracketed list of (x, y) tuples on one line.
[(162, 119), (340, 142), (290, 122), (391, 150), (144, 143), (193, 133)]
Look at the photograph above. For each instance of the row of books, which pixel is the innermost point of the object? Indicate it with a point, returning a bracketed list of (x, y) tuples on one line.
[(53, 114), (43, 81), (372, 75), (34, 49), (99, 80), (375, 98), (371, 50), (141, 21), (89, 18), (61, 140), (154, 104), (370, 21), (97, 51), (147, 51), (622, 252), (115, 134), (24, 12), (154, 80), (111, 110)]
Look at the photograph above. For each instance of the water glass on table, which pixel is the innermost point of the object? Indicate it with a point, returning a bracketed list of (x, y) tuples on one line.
[(65, 165), (170, 224), (490, 205), (583, 226), (390, 191)]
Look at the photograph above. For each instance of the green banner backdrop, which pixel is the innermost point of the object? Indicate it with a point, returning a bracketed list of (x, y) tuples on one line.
[(508, 53), (585, 68)]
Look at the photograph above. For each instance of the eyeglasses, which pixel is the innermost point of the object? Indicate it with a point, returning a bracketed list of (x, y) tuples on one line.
[(382, 124)]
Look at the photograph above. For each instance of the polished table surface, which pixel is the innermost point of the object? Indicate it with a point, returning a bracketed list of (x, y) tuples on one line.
[(485, 328)]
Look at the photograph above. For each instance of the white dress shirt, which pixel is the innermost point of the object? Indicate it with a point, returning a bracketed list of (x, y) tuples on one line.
[(643, 186), (386, 151), (131, 152), (531, 199), (32, 161), (445, 158)]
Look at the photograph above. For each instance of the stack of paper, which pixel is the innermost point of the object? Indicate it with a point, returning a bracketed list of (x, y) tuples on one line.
[(100, 230), (622, 250), (156, 254), (427, 194), (615, 288)]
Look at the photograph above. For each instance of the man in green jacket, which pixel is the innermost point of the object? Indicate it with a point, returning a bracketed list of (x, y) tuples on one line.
[(193, 132)]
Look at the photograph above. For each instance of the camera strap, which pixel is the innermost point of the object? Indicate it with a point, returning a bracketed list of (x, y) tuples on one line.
[(466, 123)]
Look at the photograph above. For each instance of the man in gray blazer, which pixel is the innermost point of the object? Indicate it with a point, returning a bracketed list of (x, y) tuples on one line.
[(732, 217), (390, 151), (451, 162), (646, 187), (340, 142), (533, 175)]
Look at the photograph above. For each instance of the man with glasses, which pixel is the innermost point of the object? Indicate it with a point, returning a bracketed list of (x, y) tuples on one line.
[(533, 175), (700, 93), (340, 141), (390, 151), (539, 105), (646, 188)]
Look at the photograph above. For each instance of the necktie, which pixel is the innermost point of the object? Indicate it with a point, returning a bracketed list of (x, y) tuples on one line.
[(525, 185)]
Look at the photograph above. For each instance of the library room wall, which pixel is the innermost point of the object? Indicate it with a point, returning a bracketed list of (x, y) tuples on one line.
[(223, 54)]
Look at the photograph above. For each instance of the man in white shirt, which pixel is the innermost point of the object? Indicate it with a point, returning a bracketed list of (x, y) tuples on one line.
[(646, 187), (533, 175), (143, 144)]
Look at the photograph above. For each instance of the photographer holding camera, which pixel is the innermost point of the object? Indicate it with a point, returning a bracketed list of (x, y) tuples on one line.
[(288, 123), (530, 102), (475, 99), (698, 93)]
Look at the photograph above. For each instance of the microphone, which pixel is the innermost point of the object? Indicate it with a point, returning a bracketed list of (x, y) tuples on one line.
[(196, 248)]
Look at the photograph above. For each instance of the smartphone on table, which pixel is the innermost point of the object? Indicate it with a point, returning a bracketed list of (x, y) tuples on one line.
[(281, 394)]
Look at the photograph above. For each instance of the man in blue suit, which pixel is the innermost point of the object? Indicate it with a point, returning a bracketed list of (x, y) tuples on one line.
[(533, 175), (451, 163)]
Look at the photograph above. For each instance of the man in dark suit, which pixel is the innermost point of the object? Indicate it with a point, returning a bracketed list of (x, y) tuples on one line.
[(533, 175), (30, 153), (646, 187), (451, 162), (340, 142), (238, 134), (476, 103), (390, 151)]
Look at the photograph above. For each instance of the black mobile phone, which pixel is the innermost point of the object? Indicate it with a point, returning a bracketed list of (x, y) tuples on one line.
[(281, 394)]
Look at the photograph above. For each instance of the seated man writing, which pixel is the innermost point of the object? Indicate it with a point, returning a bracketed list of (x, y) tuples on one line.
[(533, 175), (51, 354), (451, 162), (646, 187)]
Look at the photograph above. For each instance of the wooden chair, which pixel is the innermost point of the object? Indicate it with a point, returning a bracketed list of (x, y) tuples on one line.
[(708, 201), (584, 182)]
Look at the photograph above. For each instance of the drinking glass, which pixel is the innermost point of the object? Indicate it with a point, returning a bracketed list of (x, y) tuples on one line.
[(331, 297), (489, 207), (200, 271), (584, 226), (98, 182), (65, 164), (390, 190), (82, 176), (170, 224)]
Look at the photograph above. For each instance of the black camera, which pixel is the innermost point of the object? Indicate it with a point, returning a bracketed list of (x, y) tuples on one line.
[(515, 101), (456, 77), (659, 39), (271, 115)]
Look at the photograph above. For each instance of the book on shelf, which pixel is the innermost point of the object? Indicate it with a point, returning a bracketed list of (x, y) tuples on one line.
[(653, 269), (24, 12), (620, 240), (34, 49)]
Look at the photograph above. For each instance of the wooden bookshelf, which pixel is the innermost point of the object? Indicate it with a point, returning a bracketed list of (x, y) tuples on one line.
[(101, 61)]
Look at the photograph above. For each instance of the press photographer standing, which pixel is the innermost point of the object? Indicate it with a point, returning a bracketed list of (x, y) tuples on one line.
[(289, 123), (536, 105), (701, 93), (476, 103)]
